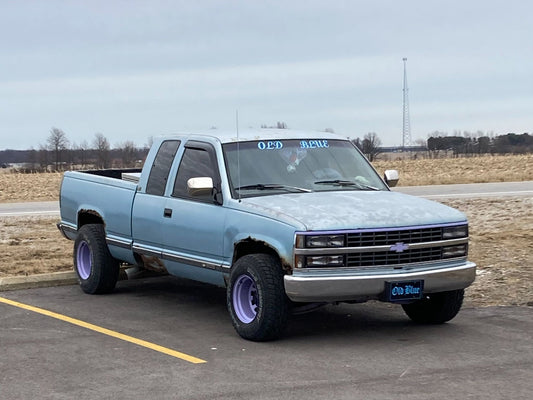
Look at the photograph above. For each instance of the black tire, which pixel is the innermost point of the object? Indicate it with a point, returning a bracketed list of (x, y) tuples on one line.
[(436, 308), (96, 269), (256, 298)]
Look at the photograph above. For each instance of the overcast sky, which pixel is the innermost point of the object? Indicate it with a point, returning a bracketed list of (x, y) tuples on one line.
[(135, 69)]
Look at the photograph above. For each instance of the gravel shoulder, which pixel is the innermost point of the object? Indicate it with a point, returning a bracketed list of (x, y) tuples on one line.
[(501, 244)]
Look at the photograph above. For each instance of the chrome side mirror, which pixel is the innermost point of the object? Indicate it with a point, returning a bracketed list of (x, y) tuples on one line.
[(200, 186), (391, 177)]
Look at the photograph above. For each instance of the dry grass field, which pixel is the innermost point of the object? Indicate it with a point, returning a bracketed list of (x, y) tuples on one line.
[(16, 187), (33, 245), (443, 171), (513, 168), (501, 244), (501, 229)]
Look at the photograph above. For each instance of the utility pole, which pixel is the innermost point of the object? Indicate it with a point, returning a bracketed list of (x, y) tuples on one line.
[(406, 131)]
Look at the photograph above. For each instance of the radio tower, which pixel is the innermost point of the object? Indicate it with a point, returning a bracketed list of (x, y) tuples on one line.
[(406, 137)]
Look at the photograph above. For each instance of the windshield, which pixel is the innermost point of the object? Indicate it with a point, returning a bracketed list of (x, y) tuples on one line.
[(293, 166)]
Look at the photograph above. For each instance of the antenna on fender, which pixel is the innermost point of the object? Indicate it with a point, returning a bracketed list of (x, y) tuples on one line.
[(238, 155)]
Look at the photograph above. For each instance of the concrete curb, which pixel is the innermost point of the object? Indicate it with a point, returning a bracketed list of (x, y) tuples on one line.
[(38, 281)]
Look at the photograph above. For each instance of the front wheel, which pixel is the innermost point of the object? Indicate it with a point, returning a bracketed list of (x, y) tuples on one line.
[(436, 308), (256, 298), (96, 268)]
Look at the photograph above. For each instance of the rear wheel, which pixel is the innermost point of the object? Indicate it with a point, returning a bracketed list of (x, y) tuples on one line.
[(436, 308), (256, 298), (96, 268)]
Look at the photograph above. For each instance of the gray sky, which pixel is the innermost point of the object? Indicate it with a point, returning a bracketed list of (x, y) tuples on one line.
[(135, 69)]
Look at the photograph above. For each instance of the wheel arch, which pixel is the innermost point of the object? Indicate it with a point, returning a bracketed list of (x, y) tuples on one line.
[(89, 217), (252, 245)]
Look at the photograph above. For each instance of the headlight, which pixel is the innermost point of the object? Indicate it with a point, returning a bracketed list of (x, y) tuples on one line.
[(452, 232), (324, 241), (325, 261), (455, 251)]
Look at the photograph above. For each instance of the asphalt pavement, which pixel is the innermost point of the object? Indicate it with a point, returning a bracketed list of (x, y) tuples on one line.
[(367, 351), (26, 209), (470, 190), (171, 338)]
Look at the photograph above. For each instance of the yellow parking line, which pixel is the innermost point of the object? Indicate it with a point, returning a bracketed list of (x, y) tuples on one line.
[(104, 331)]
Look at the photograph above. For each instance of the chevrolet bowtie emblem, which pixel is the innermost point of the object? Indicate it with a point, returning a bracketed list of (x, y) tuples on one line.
[(399, 247)]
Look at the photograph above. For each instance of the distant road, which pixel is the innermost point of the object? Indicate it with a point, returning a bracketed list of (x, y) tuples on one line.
[(471, 190), (40, 208)]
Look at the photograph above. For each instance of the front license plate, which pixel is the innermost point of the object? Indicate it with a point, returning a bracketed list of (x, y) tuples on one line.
[(402, 291)]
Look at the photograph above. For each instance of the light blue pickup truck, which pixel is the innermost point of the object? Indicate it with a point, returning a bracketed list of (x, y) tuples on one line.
[(285, 220)]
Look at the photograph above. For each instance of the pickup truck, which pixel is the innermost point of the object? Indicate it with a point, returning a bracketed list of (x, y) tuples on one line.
[(284, 220)]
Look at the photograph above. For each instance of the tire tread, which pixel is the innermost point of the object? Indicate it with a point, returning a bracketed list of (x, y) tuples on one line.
[(438, 308), (272, 318), (105, 269)]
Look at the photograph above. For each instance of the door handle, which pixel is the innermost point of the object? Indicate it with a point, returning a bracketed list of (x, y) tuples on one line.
[(167, 213)]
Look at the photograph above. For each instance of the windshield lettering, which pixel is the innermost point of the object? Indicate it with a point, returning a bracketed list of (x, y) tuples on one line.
[(271, 145), (314, 144)]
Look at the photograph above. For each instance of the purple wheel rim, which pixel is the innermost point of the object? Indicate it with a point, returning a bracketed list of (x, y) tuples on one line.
[(245, 299), (83, 260)]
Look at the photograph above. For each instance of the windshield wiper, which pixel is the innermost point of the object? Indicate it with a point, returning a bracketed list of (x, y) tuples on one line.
[(272, 186), (341, 182)]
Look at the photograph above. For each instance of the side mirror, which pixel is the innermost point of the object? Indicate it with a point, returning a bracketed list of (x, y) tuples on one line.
[(391, 177), (200, 186)]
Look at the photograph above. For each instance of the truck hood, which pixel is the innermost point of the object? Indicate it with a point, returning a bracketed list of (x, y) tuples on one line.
[(352, 210)]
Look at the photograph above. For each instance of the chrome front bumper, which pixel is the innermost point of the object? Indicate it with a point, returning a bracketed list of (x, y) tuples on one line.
[(327, 288)]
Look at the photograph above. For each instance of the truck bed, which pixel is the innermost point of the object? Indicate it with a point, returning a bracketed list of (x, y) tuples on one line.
[(106, 193), (114, 173)]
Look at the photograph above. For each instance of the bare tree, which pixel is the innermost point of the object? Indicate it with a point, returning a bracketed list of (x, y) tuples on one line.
[(80, 153), (43, 157), (357, 142), (102, 147), (484, 144), (57, 142), (371, 146), (150, 141), (421, 142), (279, 125), (32, 158), (128, 153), (83, 153)]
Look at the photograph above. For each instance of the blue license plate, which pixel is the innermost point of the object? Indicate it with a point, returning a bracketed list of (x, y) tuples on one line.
[(404, 291)]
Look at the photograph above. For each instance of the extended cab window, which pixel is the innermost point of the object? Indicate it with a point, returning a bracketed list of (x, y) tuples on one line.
[(196, 162), (157, 181)]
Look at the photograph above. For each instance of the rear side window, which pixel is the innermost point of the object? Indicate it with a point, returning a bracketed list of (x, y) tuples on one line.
[(157, 181)]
